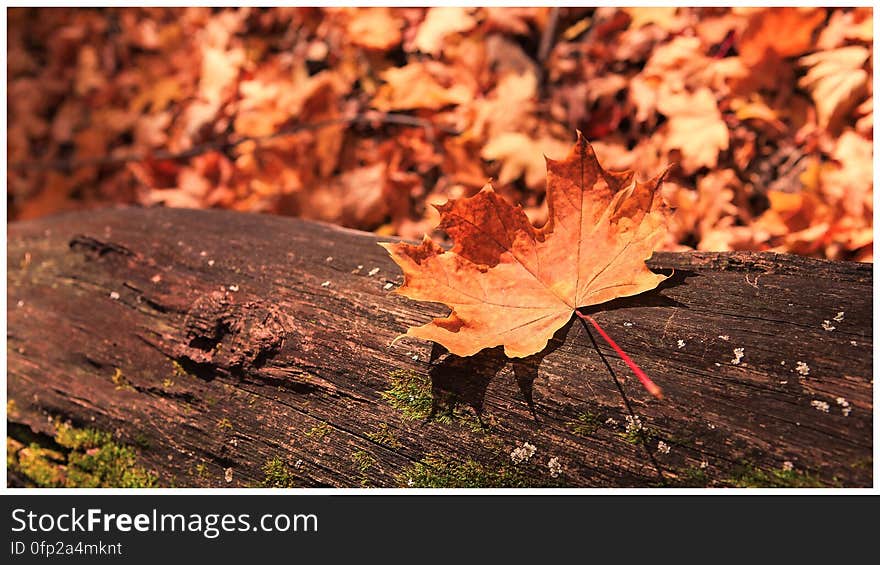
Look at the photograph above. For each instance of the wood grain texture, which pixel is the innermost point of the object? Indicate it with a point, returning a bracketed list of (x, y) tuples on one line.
[(219, 340)]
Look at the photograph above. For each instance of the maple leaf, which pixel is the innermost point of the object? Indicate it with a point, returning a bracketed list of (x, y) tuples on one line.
[(509, 283), (695, 126), (521, 155)]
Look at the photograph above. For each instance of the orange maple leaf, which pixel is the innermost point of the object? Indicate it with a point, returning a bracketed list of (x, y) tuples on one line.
[(509, 283)]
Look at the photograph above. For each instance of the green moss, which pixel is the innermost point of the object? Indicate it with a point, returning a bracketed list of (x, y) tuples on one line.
[(747, 475), (179, 371), (441, 471), (410, 393), (384, 436), (862, 463), (120, 381), (363, 461), (691, 477), (276, 474), (86, 458), (201, 471), (320, 431), (586, 424), (142, 441)]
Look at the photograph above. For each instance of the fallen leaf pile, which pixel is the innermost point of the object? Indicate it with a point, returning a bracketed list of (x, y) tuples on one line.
[(367, 117), (511, 284)]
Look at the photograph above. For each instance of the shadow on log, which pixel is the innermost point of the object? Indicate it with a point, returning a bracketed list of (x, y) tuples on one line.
[(229, 349)]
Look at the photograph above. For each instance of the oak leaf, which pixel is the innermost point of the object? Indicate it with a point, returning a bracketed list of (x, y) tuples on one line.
[(509, 283)]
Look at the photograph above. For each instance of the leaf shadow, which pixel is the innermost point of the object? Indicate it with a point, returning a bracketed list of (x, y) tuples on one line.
[(464, 380)]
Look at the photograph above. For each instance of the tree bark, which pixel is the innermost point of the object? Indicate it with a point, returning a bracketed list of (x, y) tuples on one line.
[(227, 346)]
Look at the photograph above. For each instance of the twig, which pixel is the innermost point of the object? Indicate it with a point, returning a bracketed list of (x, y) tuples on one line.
[(226, 145), (548, 35)]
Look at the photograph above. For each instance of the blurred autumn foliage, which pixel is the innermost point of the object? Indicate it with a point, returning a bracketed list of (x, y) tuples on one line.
[(367, 116)]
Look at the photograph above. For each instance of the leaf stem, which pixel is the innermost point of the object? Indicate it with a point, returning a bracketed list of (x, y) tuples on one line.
[(643, 378)]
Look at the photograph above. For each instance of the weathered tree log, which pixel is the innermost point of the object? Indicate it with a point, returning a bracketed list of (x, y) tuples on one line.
[(235, 350)]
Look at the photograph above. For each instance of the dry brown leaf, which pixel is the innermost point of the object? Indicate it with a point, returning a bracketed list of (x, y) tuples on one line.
[(507, 108), (695, 127), (836, 80), (374, 28), (855, 24), (865, 123), (423, 85), (513, 20), (510, 284), (439, 23), (785, 32), (851, 182), (521, 155), (664, 18)]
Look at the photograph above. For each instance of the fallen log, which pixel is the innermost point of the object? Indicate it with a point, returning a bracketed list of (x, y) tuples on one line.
[(226, 350)]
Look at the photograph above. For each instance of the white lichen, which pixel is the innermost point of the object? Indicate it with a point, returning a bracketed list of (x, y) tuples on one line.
[(20, 303), (853, 343), (826, 325), (210, 262), (627, 324), (227, 475), (839, 316), (373, 272), (704, 464), (737, 355), (611, 422), (788, 466), (845, 407), (415, 357), (114, 295), (156, 279), (523, 453), (663, 447), (233, 288), (325, 284), (388, 286), (555, 467), (802, 368), (680, 343), (820, 405), (724, 337), (328, 259)]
